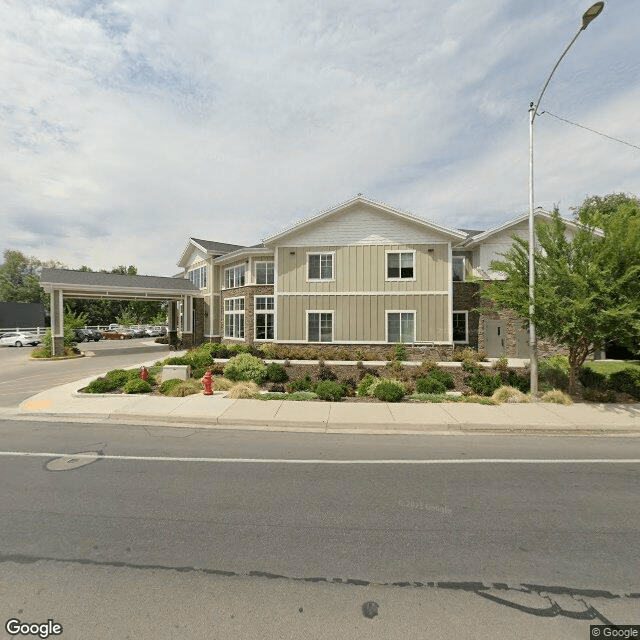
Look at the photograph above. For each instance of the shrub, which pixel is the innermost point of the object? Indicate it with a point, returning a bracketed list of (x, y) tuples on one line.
[(238, 348), (371, 391), (169, 385), (214, 349), (471, 366), (466, 354), (243, 390), (591, 379), (444, 377), (101, 385), (185, 388), (554, 371), (523, 383), (343, 354), (181, 360), (301, 384), (556, 396), (326, 374), (302, 396), (501, 364), (508, 394), (137, 385), (276, 373), (199, 372), (269, 351), (245, 367), (277, 387), (400, 352), (41, 352), (626, 381), (425, 368), (329, 390), (364, 385), (390, 391), (484, 384), (198, 359), (429, 385), (121, 376)]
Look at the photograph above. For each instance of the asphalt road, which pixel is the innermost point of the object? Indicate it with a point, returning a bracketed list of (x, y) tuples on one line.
[(21, 377), (266, 529)]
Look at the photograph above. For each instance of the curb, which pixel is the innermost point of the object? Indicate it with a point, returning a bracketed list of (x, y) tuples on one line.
[(322, 427)]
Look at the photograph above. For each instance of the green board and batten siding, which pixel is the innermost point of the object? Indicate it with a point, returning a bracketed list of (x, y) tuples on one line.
[(359, 272)]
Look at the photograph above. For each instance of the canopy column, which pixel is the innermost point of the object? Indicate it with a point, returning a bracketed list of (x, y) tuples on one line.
[(187, 322), (57, 323), (172, 321)]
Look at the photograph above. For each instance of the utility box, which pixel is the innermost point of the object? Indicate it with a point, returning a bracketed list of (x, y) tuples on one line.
[(179, 371)]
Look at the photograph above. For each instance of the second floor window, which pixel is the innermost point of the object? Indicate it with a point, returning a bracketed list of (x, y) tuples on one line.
[(264, 272), (320, 266), (198, 277), (400, 265), (234, 277)]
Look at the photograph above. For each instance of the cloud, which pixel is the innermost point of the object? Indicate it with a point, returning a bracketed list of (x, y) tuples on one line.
[(127, 126)]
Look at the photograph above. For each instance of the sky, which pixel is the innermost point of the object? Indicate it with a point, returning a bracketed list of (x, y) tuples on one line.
[(128, 126)]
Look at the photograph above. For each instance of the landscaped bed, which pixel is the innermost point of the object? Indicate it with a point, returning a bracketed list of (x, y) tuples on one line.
[(244, 375)]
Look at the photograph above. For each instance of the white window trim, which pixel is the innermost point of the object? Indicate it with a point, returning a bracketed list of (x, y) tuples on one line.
[(386, 265), (466, 327), (464, 267), (203, 268), (226, 313), (386, 323), (306, 324), (224, 277), (255, 268), (256, 311), (333, 266)]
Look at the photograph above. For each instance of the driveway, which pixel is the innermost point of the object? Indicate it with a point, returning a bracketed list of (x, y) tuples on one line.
[(21, 377)]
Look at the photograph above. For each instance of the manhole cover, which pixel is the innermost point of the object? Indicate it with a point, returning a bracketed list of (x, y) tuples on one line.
[(66, 463)]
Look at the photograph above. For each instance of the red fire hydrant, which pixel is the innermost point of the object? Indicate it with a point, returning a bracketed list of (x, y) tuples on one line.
[(206, 381), (144, 374)]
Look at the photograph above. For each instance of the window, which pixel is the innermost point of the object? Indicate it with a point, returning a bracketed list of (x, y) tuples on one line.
[(458, 268), (234, 277), (401, 326), (265, 317), (198, 277), (264, 272), (400, 265), (319, 326), (460, 330), (320, 266), (234, 318)]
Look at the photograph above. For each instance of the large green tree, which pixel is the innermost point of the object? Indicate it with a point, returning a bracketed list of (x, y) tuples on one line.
[(19, 277), (595, 210), (587, 289)]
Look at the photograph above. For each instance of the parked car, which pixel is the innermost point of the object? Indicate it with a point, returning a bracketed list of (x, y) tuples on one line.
[(138, 332), (19, 339), (94, 334), (154, 332)]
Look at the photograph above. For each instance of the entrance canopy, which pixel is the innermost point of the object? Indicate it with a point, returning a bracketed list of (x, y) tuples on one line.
[(61, 283)]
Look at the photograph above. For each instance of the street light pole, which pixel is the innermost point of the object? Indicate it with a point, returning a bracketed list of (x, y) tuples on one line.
[(590, 14)]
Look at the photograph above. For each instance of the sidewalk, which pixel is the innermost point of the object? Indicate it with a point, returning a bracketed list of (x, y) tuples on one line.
[(217, 411)]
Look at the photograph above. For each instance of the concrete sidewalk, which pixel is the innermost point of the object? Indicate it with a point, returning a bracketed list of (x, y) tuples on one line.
[(217, 411)]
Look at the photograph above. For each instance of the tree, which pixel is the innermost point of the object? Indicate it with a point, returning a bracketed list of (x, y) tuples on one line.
[(594, 210), (19, 277), (587, 290)]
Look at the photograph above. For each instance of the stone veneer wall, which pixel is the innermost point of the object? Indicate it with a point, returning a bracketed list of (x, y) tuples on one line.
[(465, 298), (198, 324), (513, 324), (247, 292)]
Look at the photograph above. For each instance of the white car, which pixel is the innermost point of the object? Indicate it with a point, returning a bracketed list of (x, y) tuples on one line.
[(19, 339)]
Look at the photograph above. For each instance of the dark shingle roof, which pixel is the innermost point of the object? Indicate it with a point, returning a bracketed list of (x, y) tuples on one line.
[(97, 278), (219, 248)]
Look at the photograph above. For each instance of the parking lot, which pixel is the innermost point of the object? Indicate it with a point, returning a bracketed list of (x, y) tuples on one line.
[(21, 377)]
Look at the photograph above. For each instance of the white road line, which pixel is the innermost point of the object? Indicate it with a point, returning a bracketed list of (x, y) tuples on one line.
[(37, 454)]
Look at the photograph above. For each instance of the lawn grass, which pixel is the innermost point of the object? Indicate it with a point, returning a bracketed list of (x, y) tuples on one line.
[(611, 367)]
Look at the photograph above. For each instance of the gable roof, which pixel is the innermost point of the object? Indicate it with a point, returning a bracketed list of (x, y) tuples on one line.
[(538, 213), (360, 199), (210, 247)]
